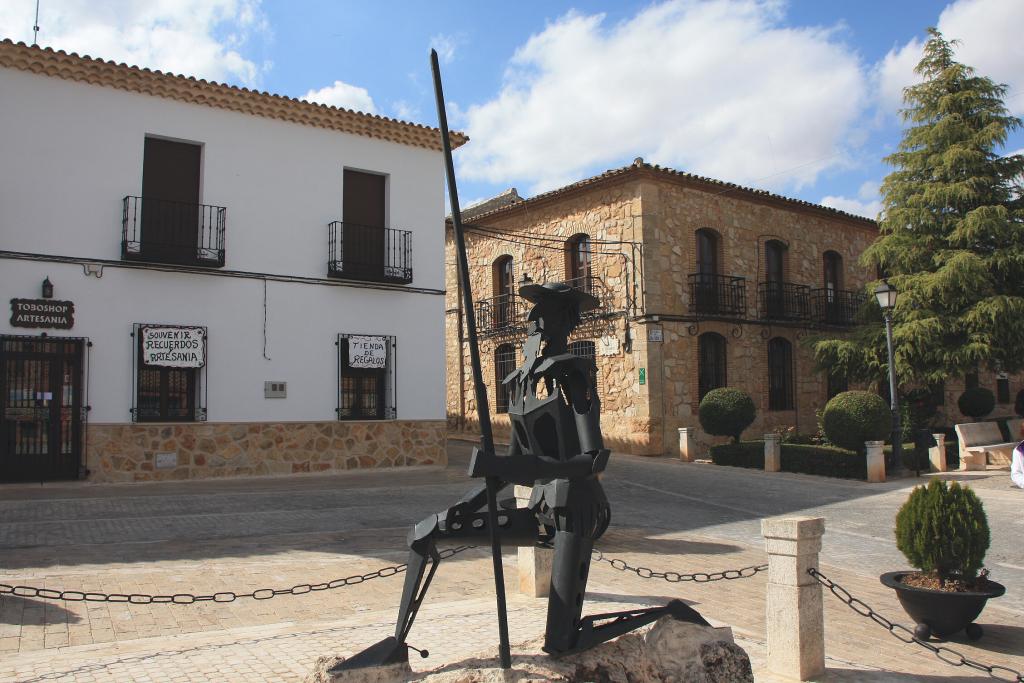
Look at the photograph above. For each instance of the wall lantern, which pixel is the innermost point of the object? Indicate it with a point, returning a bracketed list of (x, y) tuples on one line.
[(525, 280), (47, 289), (886, 295)]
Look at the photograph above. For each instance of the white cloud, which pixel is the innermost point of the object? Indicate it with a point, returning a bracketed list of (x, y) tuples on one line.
[(867, 203), (405, 111), (718, 88), (445, 46), (202, 38), (343, 95), (989, 35)]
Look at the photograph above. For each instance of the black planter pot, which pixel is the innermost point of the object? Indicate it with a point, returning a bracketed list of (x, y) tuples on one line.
[(940, 613)]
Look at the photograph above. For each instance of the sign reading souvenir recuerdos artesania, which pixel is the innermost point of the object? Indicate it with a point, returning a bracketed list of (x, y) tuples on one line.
[(59, 315), (174, 347), (367, 352)]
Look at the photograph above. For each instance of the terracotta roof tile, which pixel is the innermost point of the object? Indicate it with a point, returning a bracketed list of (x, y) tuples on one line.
[(85, 69), (638, 168)]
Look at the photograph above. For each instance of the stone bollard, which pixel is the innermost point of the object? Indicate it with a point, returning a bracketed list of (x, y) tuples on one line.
[(937, 454), (795, 616), (876, 461), (534, 563), (772, 453), (687, 444)]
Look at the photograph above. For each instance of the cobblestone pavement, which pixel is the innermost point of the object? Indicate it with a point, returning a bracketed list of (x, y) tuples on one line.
[(241, 535)]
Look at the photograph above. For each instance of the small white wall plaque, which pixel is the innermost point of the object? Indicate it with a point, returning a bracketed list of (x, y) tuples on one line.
[(166, 461), (608, 346), (655, 334)]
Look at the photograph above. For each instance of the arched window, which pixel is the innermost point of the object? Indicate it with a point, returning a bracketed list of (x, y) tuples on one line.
[(586, 348), (577, 260), (707, 252), (710, 363), (833, 274), (504, 290), (504, 364), (774, 275), (706, 290), (780, 374)]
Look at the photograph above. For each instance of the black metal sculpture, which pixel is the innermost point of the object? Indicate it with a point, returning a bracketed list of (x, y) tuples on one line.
[(556, 447)]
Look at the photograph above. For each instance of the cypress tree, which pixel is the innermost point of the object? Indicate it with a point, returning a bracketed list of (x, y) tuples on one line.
[(951, 236)]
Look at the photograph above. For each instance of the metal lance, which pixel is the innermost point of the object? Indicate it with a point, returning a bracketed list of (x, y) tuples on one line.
[(483, 409)]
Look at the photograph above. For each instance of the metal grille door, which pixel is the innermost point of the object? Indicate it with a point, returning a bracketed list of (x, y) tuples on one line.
[(41, 408)]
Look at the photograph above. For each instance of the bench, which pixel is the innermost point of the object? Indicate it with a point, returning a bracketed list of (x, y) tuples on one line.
[(981, 444)]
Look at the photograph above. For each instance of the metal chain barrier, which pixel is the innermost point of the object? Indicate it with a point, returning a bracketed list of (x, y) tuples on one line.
[(676, 577), (904, 634), (224, 596)]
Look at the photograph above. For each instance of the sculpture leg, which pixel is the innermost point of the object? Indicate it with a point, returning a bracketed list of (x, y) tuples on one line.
[(394, 650)]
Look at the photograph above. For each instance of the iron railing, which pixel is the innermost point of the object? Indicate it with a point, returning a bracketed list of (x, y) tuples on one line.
[(503, 314), (784, 301), (717, 294), (836, 306), (591, 285), (163, 231), (369, 253)]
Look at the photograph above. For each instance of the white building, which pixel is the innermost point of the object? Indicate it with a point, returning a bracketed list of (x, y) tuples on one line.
[(242, 238)]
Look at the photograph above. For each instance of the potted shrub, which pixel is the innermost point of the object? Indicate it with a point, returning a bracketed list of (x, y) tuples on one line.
[(942, 530), (726, 412), (853, 417)]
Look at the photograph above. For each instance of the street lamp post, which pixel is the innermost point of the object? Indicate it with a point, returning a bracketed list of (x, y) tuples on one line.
[(886, 295)]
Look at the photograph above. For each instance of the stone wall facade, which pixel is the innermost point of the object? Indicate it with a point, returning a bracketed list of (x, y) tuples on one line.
[(196, 450), (643, 223)]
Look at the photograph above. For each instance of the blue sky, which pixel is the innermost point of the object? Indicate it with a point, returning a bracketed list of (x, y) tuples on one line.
[(798, 97)]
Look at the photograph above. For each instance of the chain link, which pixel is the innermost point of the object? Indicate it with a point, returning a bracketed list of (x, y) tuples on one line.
[(904, 634), (223, 596), (676, 577)]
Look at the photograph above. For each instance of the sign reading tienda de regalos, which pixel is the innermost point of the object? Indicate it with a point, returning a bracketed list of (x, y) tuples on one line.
[(367, 352), (174, 347)]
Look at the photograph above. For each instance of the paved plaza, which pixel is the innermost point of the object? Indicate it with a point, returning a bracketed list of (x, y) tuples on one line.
[(208, 536)]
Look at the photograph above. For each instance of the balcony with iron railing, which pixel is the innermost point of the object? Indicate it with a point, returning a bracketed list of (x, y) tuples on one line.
[(836, 306), (163, 231), (784, 301), (501, 315), (717, 295), (369, 253)]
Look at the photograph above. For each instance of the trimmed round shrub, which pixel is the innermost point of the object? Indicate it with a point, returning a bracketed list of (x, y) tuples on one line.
[(943, 529), (976, 402), (726, 412), (853, 417)]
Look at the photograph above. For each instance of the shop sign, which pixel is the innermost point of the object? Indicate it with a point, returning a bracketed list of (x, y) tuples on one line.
[(367, 352), (59, 315), (174, 347), (643, 376)]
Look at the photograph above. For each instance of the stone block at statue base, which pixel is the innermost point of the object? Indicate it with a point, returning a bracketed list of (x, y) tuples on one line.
[(668, 650)]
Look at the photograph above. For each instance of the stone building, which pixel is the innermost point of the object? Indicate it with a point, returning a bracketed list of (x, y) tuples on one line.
[(208, 281), (702, 284)]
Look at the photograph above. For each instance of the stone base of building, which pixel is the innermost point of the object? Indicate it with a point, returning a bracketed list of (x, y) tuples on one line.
[(164, 452)]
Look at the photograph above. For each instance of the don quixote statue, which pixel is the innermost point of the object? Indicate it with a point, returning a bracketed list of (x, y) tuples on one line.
[(556, 447)]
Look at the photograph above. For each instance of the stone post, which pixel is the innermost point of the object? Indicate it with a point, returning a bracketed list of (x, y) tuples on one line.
[(534, 563), (772, 453), (795, 616), (687, 444), (937, 454), (876, 461)]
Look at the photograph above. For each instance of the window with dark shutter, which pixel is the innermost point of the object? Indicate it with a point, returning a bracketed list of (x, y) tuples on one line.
[(711, 363), (780, 374), (366, 377)]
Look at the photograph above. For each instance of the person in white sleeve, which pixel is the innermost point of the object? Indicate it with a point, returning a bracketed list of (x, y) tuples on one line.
[(1017, 464)]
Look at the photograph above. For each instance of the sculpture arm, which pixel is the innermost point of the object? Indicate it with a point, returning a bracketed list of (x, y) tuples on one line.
[(526, 469)]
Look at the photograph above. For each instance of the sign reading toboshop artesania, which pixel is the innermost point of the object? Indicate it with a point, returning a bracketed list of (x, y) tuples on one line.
[(367, 352), (59, 315), (174, 347)]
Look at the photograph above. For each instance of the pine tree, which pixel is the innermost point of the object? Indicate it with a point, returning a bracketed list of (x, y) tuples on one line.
[(951, 236)]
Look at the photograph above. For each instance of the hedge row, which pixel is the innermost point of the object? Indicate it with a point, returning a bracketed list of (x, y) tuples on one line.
[(825, 461)]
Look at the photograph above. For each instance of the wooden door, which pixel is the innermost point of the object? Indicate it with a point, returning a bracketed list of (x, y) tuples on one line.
[(170, 201), (363, 218)]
